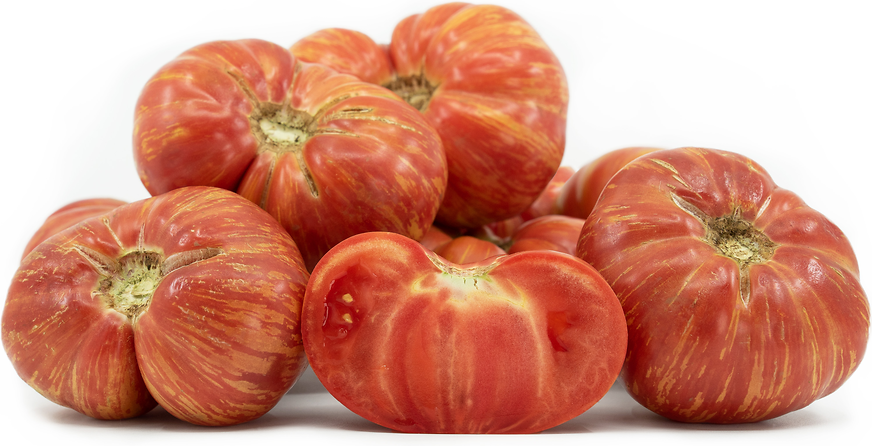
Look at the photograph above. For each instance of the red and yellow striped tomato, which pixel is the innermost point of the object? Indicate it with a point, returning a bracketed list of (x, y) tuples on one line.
[(468, 249), (501, 232), (435, 238), (69, 215), (580, 192), (554, 232), (190, 300), (325, 154), (549, 232), (517, 343), (546, 203), (742, 302), (490, 86)]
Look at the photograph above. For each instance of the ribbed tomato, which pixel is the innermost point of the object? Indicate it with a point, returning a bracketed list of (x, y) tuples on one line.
[(501, 232), (190, 299), (742, 302), (517, 343), (549, 232), (546, 202), (69, 215), (325, 154), (554, 232), (486, 81), (468, 249), (580, 192), (434, 238)]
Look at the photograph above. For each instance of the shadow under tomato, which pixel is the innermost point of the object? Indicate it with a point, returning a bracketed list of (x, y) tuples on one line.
[(617, 411), (157, 418), (308, 383), (317, 410), (321, 411)]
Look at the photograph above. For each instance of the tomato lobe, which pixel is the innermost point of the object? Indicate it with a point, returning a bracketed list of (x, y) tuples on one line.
[(557, 324)]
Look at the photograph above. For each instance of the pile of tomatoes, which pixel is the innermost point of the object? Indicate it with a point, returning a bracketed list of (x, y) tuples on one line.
[(396, 216)]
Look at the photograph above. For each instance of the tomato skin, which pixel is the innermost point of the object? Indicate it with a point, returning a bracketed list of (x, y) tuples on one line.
[(553, 232), (515, 344), (226, 114), (549, 232), (217, 342), (580, 192), (733, 331), (468, 249), (546, 203), (435, 238), (69, 215), (500, 232), (495, 92), (349, 52)]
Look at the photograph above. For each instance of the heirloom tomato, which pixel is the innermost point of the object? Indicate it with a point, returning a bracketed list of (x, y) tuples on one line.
[(501, 232), (546, 202), (517, 343), (68, 216), (434, 238), (554, 232), (549, 232), (742, 302), (190, 299), (490, 86), (581, 191), (468, 249), (324, 153)]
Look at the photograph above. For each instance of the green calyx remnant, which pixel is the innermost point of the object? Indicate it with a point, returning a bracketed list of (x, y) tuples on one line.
[(739, 240), (415, 90), (732, 235), (129, 282), (282, 134), (130, 290), (735, 238), (280, 129)]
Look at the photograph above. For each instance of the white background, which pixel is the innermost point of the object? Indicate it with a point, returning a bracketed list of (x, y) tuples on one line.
[(786, 83)]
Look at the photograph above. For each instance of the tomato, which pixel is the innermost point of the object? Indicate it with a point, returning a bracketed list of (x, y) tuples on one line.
[(742, 302), (549, 232), (517, 343), (553, 232), (468, 249), (190, 300), (580, 192), (434, 238), (500, 232), (68, 216), (490, 86), (325, 154), (546, 203)]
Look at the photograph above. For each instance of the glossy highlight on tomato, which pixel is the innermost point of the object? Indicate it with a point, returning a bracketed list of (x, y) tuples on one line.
[(408, 340), (742, 302)]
